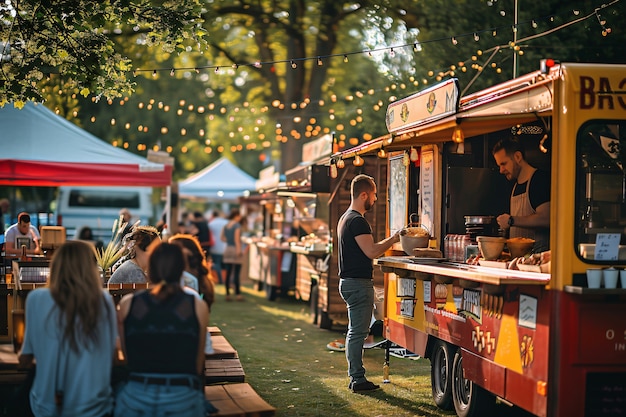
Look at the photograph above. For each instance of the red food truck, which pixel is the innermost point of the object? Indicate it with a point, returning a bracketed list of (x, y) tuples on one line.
[(529, 331)]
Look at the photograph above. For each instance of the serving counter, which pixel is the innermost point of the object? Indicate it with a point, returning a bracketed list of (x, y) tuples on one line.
[(425, 268), (272, 265)]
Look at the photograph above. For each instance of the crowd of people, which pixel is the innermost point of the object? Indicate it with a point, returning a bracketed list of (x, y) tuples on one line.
[(73, 331)]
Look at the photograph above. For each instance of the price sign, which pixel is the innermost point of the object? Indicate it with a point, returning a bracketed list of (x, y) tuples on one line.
[(607, 246)]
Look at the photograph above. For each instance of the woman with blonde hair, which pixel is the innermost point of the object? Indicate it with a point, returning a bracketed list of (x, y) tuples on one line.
[(163, 333), (197, 265), (133, 270), (71, 333)]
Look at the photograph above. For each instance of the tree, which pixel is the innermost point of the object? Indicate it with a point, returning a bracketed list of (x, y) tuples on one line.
[(73, 40)]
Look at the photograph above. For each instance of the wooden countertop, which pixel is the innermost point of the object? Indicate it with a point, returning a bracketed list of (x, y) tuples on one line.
[(405, 266)]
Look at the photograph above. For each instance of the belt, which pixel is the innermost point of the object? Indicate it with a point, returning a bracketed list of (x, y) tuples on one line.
[(192, 381)]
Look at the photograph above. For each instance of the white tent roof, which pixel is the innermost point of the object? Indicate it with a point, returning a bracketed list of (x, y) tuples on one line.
[(220, 181)]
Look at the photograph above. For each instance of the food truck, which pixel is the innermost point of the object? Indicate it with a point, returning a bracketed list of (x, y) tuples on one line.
[(531, 331)]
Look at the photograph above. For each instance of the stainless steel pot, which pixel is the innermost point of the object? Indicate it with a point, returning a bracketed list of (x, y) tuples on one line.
[(479, 220)]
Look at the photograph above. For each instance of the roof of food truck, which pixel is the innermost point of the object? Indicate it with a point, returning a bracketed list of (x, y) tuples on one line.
[(521, 100)]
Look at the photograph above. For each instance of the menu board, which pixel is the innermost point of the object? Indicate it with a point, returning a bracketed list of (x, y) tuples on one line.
[(398, 193), (427, 187)]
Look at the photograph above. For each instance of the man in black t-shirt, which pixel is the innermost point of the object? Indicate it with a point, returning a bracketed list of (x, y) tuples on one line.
[(356, 286), (530, 198)]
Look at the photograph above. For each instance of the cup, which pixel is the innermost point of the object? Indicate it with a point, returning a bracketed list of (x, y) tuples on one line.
[(622, 277), (610, 277), (594, 278)]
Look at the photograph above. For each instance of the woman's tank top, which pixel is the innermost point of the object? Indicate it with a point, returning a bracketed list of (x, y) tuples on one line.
[(162, 336)]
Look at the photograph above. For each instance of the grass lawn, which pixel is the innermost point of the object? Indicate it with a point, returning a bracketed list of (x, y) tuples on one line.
[(286, 361)]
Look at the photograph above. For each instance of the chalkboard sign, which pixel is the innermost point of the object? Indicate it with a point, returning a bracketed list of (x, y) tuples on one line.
[(606, 395)]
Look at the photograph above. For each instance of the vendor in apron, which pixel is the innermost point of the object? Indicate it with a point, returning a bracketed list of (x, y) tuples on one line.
[(530, 197)]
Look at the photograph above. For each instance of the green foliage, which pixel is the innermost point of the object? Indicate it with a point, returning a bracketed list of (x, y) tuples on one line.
[(243, 32), (75, 41)]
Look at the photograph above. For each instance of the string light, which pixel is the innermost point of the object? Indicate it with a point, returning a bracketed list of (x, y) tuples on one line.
[(172, 72), (293, 64), (414, 45), (358, 161), (341, 163), (319, 61)]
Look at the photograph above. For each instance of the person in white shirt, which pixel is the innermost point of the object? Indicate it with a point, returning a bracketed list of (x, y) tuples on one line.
[(216, 224), (22, 234)]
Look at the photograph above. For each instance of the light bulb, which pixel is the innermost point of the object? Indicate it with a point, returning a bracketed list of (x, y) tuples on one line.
[(333, 171), (382, 153), (358, 161), (341, 163), (458, 136)]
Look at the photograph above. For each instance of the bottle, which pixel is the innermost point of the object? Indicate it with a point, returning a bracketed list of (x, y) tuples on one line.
[(23, 257), (165, 234)]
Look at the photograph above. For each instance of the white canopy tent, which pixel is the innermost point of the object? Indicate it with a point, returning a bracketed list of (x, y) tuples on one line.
[(221, 181)]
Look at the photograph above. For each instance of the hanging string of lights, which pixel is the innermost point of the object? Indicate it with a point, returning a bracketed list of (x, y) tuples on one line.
[(415, 46), (312, 129)]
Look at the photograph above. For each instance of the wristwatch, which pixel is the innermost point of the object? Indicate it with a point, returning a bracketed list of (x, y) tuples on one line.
[(511, 221)]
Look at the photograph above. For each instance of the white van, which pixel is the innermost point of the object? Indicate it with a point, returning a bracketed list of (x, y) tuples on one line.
[(99, 207)]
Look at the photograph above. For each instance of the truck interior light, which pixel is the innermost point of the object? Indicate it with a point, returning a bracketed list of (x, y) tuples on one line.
[(458, 136)]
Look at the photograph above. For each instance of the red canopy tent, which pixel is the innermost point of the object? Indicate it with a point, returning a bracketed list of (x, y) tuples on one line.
[(40, 148)]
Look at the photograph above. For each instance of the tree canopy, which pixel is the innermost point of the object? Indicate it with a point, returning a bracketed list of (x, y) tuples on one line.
[(271, 75)]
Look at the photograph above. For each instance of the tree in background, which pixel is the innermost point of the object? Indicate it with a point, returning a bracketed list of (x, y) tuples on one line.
[(263, 92), (74, 40)]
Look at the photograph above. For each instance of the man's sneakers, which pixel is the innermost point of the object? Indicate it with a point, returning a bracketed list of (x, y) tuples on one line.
[(336, 345), (363, 386)]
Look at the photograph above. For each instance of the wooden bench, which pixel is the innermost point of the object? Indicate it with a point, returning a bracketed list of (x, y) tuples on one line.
[(223, 365), (237, 400)]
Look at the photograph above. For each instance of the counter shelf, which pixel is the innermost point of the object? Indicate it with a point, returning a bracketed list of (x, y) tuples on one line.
[(573, 289), (405, 266)]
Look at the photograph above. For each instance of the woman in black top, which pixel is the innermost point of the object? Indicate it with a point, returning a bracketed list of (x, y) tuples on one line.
[(163, 332)]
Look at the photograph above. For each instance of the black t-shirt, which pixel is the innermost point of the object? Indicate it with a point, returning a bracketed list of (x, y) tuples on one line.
[(353, 263), (539, 192)]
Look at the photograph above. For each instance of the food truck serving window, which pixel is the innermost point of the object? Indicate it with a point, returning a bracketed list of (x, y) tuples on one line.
[(601, 192)]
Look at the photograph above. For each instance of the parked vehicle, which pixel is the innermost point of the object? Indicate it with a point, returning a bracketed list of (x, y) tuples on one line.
[(99, 207), (535, 335)]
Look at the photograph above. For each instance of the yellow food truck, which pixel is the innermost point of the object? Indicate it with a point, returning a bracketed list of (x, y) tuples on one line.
[(530, 330)]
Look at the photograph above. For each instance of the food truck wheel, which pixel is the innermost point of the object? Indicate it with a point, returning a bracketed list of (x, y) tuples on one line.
[(470, 400), (441, 374)]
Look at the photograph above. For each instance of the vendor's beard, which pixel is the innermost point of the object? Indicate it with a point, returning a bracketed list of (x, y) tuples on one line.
[(368, 206)]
